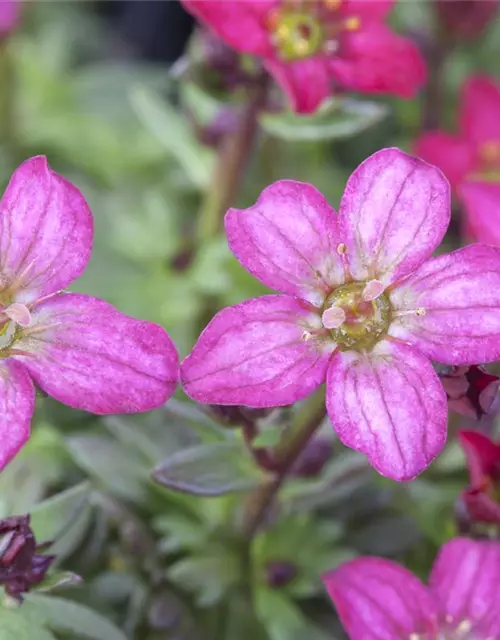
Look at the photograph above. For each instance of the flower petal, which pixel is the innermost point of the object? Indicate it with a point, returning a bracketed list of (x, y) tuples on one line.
[(482, 209), (376, 60), (10, 13), (45, 232), (480, 109), (377, 599), (481, 506), (288, 240), (454, 155), (483, 455), (465, 580), (88, 355), (241, 24), (367, 9), (306, 82), (390, 405), (393, 214), (254, 354), (17, 403), (459, 297)]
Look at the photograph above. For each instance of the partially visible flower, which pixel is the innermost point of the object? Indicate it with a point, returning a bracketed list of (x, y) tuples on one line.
[(466, 18), (470, 390), (313, 459), (309, 45), (21, 564), (10, 13), (471, 158), (378, 598), (78, 349), (362, 307), (482, 497)]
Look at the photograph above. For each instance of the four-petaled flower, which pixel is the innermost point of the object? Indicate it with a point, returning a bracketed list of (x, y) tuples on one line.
[(78, 349), (362, 307), (471, 158), (308, 45), (379, 599), (482, 497)]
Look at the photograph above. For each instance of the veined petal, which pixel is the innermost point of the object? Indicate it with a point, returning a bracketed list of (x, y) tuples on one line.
[(457, 296), (241, 24), (479, 109), (390, 405), (45, 233), (288, 240), (374, 59), (482, 209), (483, 455), (306, 82), (255, 354), (88, 355), (394, 212), (377, 599), (465, 580), (17, 403), (454, 155)]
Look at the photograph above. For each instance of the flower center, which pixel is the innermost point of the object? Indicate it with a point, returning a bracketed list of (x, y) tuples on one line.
[(303, 28), (358, 314)]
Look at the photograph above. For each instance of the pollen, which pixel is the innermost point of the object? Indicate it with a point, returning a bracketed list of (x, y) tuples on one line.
[(420, 311), (352, 24), (332, 5), (342, 249)]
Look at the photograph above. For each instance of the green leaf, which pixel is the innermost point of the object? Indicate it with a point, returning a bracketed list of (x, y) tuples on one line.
[(58, 580), (281, 617), (337, 118), (70, 617), (15, 625), (181, 532), (173, 130), (209, 470), (269, 437)]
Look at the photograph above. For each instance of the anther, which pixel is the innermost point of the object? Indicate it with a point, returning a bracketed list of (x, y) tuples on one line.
[(342, 249), (352, 24), (331, 46), (373, 290), (420, 311), (332, 5), (333, 317)]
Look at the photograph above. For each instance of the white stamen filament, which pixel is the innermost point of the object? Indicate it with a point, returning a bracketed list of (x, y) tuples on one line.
[(420, 311), (18, 313), (333, 318), (373, 290)]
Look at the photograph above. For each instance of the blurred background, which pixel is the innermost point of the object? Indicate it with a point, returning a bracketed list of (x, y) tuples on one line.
[(115, 95)]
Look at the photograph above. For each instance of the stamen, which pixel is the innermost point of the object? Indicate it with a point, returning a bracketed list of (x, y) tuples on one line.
[(352, 24), (333, 317), (420, 311), (18, 313), (373, 290), (332, 5), (331, 46), (465, 626), (342, 249)]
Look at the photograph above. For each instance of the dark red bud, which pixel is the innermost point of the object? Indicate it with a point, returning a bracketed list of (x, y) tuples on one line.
[(280, 573), (313, 459), (466, 19)]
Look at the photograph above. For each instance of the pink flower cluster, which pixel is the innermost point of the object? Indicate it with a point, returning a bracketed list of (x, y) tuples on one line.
[(78, 349), (310, 46), (378, 599), (362, 306), (471, 158)]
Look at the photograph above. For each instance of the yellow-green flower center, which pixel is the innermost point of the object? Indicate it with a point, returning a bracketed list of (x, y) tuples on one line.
[(489, 156), (365, 321), (298, 35)]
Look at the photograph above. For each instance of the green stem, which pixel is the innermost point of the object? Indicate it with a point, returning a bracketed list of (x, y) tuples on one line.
[(232, 158), (7, 110)]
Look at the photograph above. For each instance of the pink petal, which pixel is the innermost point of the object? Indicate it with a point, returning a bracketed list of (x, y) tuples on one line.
[(306, 82), (482, 209), (465, 580), (480, 506), (483, 455), (45, 232), (288, 240), (454, 155), (376, 60), (241, 24), (254, 354), (480, 109), (390, 405), (10, 12), (460, 295), (393, 214), (368, 10), (88, 355), (17, 403), (377, 599)]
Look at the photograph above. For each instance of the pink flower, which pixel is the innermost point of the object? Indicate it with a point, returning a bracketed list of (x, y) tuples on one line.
[(378, 599), (311, 44), (482, 497), (471, 158), (362, 307), (10, 13), (78, 349)]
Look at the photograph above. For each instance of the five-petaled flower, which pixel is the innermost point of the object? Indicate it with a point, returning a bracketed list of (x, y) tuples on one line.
[(76, 348), (471, 158), (379, 599), (309, 45), (362, 307), (482, 497)]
